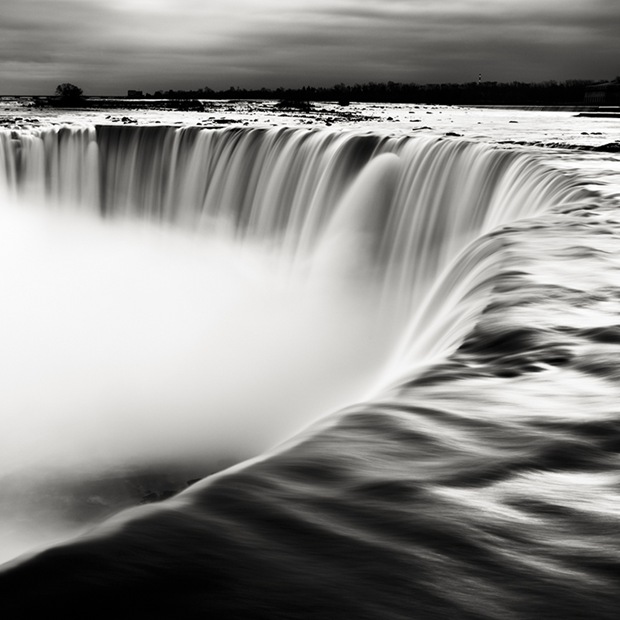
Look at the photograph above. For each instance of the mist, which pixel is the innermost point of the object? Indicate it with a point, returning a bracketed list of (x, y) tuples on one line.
[(125, 343)]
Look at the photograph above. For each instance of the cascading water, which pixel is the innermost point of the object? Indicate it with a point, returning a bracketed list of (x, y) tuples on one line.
[(179, 293), (294, 248), (395, 210)]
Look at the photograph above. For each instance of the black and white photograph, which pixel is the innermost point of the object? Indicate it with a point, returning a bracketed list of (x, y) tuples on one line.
[(310, 309)]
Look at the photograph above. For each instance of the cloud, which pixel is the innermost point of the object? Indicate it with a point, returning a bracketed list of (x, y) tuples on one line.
[(118, 44)]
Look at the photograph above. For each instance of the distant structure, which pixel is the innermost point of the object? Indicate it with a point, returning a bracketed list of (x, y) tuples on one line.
[(135, 94), (607, 93)]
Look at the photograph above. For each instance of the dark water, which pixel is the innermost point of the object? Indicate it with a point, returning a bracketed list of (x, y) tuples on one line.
[(479, 479)]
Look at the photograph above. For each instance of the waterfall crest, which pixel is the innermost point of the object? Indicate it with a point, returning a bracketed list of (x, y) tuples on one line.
[(399, 210)]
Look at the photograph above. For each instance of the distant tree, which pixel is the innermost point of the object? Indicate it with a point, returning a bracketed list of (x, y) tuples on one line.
[(69, 94)]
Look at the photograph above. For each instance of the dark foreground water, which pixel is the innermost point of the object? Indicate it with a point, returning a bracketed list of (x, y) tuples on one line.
[(480, 479)]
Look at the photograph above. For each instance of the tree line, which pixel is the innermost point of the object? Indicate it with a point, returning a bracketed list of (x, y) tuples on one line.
[(570, 92), (549, 93)]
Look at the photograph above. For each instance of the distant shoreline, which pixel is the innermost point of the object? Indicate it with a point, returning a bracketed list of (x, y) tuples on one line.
[(570, 93), (125, 103)]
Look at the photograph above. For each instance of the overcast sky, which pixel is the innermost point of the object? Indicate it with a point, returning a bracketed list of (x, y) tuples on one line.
[(109, 46)]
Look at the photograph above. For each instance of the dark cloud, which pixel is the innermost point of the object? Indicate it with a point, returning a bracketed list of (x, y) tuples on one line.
[(118, 44)]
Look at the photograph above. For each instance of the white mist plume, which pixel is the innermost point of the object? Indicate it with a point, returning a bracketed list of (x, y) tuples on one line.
[(126, 343)]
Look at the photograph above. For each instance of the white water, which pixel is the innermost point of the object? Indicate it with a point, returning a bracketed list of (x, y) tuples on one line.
[(126, 345), (294, 270), (126, 342)]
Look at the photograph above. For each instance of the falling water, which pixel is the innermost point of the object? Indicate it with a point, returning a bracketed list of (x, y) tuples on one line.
[(177, 296), (394, 210)]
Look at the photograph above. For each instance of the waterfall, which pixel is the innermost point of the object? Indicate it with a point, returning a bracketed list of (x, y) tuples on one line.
[(398, 211), (415, 338)]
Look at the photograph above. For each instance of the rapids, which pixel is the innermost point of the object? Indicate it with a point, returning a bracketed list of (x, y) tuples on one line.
[(178, 296)]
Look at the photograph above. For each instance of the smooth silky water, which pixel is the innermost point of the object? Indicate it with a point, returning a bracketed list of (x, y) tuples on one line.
[(176, 300)]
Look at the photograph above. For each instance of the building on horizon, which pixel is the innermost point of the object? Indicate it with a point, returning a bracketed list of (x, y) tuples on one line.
[(606, 93)]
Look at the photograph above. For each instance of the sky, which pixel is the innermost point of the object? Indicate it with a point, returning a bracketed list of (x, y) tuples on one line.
[(110, 46)]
